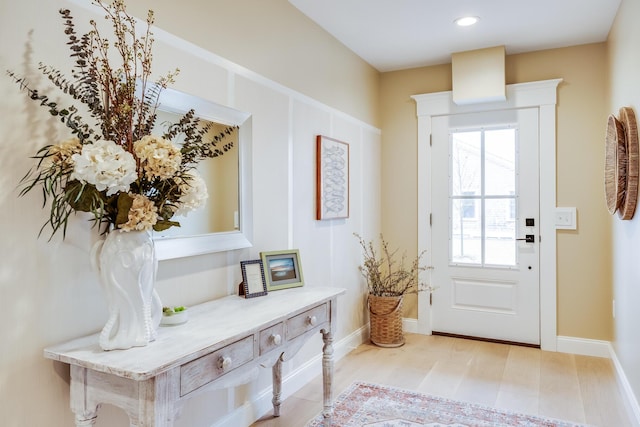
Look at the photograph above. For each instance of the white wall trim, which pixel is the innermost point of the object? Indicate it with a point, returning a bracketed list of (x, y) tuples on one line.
[(409, 325), (543, 95), (260, 403), (584, 347), (628, 396)]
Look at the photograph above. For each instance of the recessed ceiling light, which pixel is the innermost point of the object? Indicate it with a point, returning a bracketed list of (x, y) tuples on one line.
[(466, 21)]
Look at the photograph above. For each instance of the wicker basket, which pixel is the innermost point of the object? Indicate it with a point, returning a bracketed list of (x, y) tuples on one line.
[(385, 320)]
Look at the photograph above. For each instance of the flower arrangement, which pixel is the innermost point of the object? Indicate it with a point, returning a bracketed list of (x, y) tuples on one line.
[(387, 275), (113, 167)]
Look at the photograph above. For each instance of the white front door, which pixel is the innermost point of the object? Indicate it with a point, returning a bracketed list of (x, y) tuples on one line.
[(485, 225)]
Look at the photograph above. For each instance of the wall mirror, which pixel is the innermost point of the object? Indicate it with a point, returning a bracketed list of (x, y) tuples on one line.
[(225, 222)]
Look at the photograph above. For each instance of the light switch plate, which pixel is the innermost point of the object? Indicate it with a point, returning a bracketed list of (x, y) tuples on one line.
[(566, 219)]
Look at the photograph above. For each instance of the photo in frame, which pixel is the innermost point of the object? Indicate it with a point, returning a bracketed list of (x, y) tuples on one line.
[(282, 269), (253, 278), (332, 178)]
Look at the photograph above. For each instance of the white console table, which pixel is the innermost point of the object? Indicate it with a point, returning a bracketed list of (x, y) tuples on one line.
[(223, 344)]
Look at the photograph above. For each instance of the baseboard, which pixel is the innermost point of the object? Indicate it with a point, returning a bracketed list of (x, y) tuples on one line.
[(629, 397), (261, 404), (597, 348), (410, 325), (583, 346)]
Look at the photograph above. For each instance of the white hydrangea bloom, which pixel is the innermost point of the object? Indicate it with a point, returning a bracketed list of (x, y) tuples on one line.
[(105, 165), (194, 192)]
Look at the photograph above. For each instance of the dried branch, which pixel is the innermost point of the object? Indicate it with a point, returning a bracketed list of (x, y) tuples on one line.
[(386, 275)]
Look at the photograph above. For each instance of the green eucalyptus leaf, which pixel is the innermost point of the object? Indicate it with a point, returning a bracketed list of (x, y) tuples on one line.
[(81, 197), (166, 212), (125, 201), (164, 225)]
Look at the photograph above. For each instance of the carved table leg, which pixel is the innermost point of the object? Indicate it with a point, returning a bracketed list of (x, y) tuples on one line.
[(327, 376), (84, 408), (86, 420), (277, 386)]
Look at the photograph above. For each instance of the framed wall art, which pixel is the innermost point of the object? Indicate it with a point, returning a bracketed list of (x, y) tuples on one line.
[(253, 278), (332, 178), (282, 269)]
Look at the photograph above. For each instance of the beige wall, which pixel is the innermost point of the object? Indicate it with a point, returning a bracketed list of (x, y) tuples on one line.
[(399, 154), (48, 291), (624, 87), (276, 40), (584, 267)]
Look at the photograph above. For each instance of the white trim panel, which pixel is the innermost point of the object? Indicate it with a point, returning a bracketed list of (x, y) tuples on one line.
[(584, 347)]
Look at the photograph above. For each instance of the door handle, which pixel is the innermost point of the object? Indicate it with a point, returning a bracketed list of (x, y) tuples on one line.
[(528, 238)]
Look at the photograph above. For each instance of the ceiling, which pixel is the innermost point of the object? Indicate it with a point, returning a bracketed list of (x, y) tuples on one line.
[(399, 34)]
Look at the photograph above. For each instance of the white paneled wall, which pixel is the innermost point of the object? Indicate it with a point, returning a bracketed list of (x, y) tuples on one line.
[(48, 289)]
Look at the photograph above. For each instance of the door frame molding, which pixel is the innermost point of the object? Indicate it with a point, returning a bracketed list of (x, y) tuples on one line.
[(541, 95)]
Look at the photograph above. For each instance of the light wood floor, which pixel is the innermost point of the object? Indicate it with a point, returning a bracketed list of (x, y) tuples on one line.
[(557, 385)]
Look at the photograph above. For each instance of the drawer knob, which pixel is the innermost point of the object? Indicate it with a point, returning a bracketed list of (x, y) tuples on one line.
[(312, 320), (276, 339), (224, 363)]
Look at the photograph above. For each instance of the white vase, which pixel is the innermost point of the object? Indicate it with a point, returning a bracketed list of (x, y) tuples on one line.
[(127, 265)]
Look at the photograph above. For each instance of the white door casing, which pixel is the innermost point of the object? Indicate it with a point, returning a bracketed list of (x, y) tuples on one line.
[(542, 96), (485, 176)]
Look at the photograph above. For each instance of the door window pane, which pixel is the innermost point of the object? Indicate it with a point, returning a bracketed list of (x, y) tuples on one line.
[(500, 162), (466, 232), (465, 169), (483, 197), (500, 233), (468, 206)]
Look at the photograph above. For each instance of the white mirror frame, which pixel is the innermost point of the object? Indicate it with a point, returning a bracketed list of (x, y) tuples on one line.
[(183, 246)]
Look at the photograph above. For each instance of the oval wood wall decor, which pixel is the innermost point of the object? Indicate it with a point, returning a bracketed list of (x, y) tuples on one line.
[(615, 166), (628, 120)]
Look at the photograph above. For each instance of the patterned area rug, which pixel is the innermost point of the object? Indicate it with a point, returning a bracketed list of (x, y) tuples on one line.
[(371, 405)]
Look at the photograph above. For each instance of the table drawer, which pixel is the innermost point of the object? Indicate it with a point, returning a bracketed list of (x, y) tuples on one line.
[(202, 371), (303, 322), (271, 338)]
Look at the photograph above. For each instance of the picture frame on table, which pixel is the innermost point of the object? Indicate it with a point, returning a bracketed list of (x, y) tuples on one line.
[(254, 283), (332, 178), (282, 269)]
